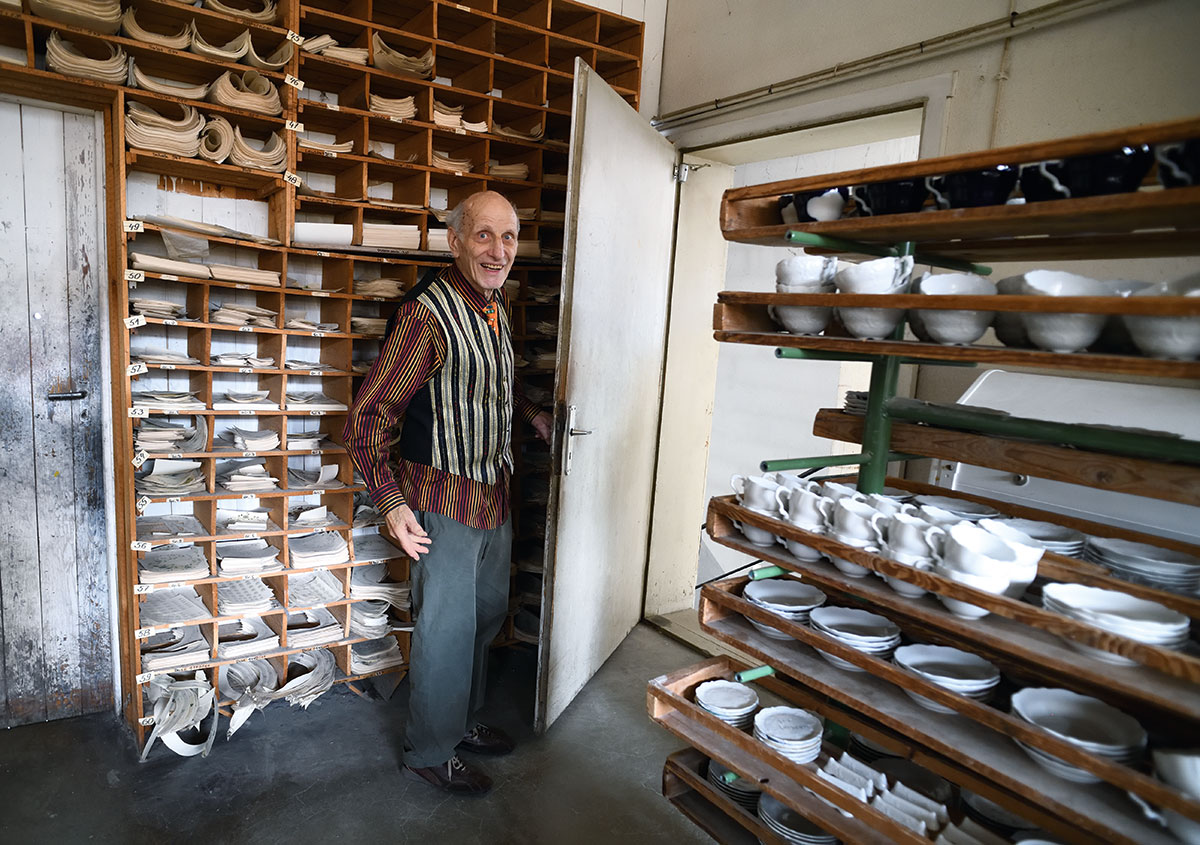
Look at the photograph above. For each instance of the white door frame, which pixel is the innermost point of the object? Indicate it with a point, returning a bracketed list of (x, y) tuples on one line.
[(106, 375)]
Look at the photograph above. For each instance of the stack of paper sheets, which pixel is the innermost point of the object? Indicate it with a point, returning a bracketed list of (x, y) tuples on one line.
[(97, 15), (236, 314), (307, 516), (362, 365), (404, 108), (244, 637), (249, 476), (249, 684), (264, 15), (392, 235), (168, 526), (256, 400), (309, 326), (132, 29), (239, 522), (369, 547), (322, 549), (324, 479), (175, 604), (246, 557), (312, 401), (559, 179), (369, 619), (448, 117), (530, 132), (306, 439), (173, 648), (270, 155), (216, 140), (373, 655), (387, 288), (526, 212), (147, 129), (157, 355), (245, 440), (157, 435), (158, 309), (446, 161), (305, 687), (370, 582), (247, 275), (529, 248), (439, 240), (309, 588), (201, 228), (318, 43), (251, 91), (325, 146), (392, 60), (312, 626), (158, 264), (175, 88), (508, 171), (297, 364), (168, 477), (250, 595), (356, 55), (364, 514), (241, 359), (64, 57), (374, 326), (163, 565)]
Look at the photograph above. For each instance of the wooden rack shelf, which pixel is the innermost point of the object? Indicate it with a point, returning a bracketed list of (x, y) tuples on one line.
[(684, 785)]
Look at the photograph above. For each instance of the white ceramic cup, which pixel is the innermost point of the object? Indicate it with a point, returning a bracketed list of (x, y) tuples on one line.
[(889, 506), (805, 269), (756, 536), (755, 491), (883, 275), (970, 549), (836, 490), (857, 522), (784, 479), (913, 536), (804, 508), (847, 567), (800, 551), (938, 516)]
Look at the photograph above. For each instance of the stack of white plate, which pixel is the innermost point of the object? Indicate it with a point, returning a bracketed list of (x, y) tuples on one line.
[(1141, 563), (1056, 538), (866, 750), (1083, 721), (729, 701), (867, 632), (793, 732), (786, 597), (790, 825), (963, 509), (1138, 619), (959, 671), (740, 791)]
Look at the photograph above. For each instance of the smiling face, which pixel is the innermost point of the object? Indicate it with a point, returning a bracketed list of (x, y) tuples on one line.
[(487, 245)]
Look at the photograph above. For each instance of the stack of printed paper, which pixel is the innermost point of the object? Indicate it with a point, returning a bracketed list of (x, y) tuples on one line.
[(321, 549), (246, 557)]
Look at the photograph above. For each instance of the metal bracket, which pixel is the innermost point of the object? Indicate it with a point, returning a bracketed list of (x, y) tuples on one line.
[(681, 171), (570, 433)]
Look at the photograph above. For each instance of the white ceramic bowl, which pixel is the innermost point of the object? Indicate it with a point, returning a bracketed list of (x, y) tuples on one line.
[(1181, 769), (1167, 337), (883, 275), (805, 269), (964, 609), (801, 319), (1010, 329), (1058, 332), (871, 323), (956, 327), (1080, 719)]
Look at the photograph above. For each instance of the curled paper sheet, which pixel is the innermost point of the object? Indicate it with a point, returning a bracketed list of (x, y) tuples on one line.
[(178, 706), (251, 685)]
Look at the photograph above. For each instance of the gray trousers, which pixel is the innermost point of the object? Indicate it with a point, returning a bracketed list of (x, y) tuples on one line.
[(460, 597)]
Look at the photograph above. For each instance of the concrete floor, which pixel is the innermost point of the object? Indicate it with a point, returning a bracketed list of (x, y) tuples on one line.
[(330, 774)]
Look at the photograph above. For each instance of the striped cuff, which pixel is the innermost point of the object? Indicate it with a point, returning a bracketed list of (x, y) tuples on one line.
[(387, 497)]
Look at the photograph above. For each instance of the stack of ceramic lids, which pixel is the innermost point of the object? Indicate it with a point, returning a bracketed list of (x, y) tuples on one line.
[(963, 509), (790, 825), (786, 597), (1141, 563), (793, 732), (739, 790), (390, 59), (958, 671), (1083, 721), (867, 632), (1056, 538), (1118, 613), (729, 701)]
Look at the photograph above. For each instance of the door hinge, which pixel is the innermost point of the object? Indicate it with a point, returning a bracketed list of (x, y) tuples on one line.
[(682, 170)]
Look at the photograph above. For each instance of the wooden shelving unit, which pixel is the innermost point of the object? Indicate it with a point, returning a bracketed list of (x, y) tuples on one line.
[(975, 745), (507, 62)]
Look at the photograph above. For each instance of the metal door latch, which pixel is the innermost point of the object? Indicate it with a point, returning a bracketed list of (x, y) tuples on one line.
[(66, 397), (568, 442)]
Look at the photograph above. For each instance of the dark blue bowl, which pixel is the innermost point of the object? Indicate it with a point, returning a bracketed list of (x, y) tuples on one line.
[(900, 197), (974, 188), (1178, 163), (1116, 172)]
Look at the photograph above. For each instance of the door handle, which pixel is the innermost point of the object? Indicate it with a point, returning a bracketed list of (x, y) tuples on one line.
[(67, 396), (572, 433), (577, 432)]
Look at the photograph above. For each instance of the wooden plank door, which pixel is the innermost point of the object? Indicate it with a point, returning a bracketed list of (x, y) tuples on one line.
[(54, 586), (612, 331)]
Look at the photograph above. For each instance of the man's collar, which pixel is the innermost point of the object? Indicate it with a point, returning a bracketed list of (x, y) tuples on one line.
[(468, 291)]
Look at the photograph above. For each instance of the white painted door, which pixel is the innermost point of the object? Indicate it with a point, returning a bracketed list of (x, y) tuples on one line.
[(620, 220), (55, 636)]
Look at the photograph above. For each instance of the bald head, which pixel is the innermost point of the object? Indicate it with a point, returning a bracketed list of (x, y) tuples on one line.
[(483, 239)]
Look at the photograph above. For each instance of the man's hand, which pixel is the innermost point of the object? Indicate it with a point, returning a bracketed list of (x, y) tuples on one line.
[(543, 424), (404, 529)]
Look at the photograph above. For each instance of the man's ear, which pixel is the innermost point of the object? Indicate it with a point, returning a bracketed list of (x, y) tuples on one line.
[(454, 242)]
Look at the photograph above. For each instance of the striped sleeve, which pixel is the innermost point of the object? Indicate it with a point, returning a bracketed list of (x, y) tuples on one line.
[(412, 353), (523, 407)]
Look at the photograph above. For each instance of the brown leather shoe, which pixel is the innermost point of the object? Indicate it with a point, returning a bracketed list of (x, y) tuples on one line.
[(484, 739), (453, 776)]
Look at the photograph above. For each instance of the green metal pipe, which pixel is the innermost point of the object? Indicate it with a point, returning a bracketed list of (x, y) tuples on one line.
[(730, 777), (822, 461), (753, 674), (843, 245), (1132, 444), (767, 572), (858, 357)]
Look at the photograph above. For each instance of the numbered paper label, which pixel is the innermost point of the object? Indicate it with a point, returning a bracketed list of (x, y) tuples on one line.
[(136, 369), (135, 276), (316, 372), (249, 454), (140, 546), (249, 495), (318, 334), (294, 125), (166, 366), (320, 293), (140, 458), (167, 321), (167, 277), (138, 412), (142, 589), (296, 83), (322, 254), (175, 455), (251, 535), (291, 178), (316, 413), (316, 452), (132, 226), (142, 502), (333, 107), (459, 131), (241, 286), (244, 413), (245, 369), (245, 328), (135, 322), (146, 721), (144, 678), (171, 500), (143, 633), (295, 37), (396, 119), (329, 153), (175, 585)]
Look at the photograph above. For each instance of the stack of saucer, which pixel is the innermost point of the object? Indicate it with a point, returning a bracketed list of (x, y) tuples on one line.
[(1127, 616), (959, 671), (794, 733), (1056, 538), (867, 632), (1083, 721), (729, 701), (962, 508), (740, 790), (1142, 563), (786, 597), (790, 825), (866, 750)]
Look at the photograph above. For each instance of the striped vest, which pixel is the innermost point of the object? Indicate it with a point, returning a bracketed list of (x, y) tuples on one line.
[(460, 421)]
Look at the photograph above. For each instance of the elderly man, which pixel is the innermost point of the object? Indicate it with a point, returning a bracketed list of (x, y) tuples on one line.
[(447, 366)]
